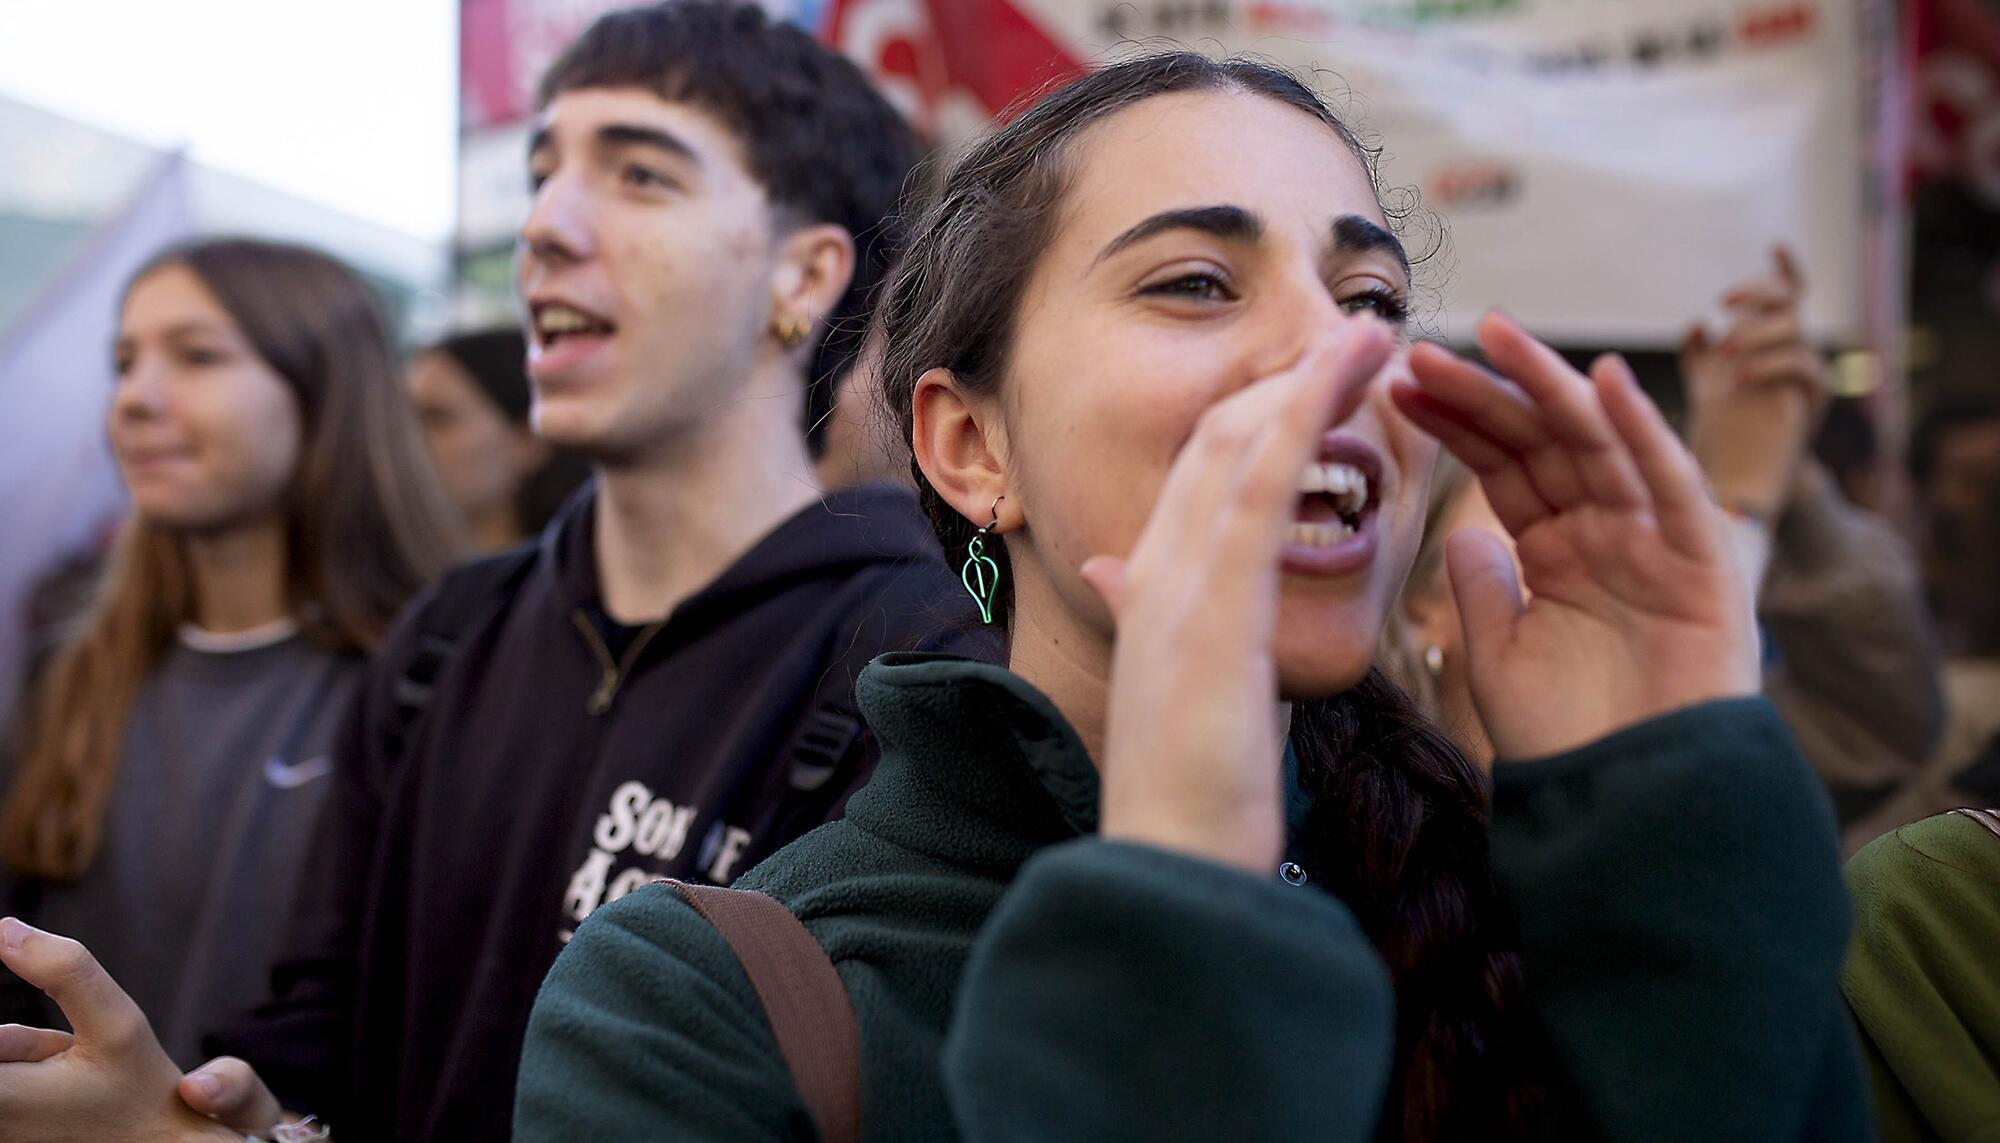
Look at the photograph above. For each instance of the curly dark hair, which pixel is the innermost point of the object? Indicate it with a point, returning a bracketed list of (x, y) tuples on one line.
[(823, 143), (1399, 825)]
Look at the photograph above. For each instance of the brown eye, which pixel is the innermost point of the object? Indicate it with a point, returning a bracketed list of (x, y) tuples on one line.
[(645, 178), (1199, 287), (1383, 304)]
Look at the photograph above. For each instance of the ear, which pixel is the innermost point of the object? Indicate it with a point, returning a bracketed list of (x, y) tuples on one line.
[(815, 264), (962, 448), (1429, 610)]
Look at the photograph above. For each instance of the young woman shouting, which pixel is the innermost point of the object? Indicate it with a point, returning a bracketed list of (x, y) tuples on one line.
[(1188, 869)]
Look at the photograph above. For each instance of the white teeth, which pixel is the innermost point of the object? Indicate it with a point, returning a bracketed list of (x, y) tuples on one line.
[(1347, 485), (562, 319), (1308, 535)]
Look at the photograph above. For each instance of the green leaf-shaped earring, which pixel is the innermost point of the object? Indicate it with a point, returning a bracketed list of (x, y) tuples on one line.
[(980, 574)]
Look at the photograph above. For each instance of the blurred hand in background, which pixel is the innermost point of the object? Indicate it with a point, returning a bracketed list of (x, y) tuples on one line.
[(1756, 394)]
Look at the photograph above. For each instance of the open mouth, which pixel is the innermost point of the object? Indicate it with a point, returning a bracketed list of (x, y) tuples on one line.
[(1338, 496), (557, 322)]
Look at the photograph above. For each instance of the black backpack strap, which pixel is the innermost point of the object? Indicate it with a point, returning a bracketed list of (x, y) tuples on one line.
[(466, 597), (807, 1006)]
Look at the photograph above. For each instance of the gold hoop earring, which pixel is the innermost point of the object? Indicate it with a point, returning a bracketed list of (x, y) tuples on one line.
[(792, 331)]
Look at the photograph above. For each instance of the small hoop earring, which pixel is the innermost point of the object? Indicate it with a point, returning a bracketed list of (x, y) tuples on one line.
[(1434, 660), (792, 331), (980, 575)]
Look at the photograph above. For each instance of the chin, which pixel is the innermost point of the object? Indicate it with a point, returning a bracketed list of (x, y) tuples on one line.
[(569, 422), (179, 516), (1321, 678), (1324, 655)]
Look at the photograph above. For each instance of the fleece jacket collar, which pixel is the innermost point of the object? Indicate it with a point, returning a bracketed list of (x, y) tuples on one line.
[(980, 767), (977, 765)]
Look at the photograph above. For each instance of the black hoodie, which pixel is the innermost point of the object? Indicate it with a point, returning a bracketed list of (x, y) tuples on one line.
[(461, 849)]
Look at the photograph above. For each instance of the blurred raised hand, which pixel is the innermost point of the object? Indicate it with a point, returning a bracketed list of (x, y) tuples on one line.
[(1756, 394)]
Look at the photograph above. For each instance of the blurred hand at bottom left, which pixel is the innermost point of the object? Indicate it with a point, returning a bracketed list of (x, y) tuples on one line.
[(110, 1081)]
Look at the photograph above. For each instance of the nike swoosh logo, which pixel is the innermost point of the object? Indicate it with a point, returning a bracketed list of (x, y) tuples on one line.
[(291, 777)]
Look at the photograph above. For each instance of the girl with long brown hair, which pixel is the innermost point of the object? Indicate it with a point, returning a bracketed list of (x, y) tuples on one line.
[(172, 758)]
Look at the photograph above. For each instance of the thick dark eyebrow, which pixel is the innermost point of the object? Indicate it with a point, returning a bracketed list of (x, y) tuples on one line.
[(1229, 223), (630, 135), (623, 135), (1354, 234)]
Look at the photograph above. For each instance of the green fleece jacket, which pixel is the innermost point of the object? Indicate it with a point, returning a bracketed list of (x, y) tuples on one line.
[(1924, 978), (1017, 977)]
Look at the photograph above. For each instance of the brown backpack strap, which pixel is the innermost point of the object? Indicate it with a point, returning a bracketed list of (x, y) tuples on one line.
[(1988, 818), (810, 1013)]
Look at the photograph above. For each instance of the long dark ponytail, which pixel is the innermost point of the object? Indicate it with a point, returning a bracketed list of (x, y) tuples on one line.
[(1399, 829)]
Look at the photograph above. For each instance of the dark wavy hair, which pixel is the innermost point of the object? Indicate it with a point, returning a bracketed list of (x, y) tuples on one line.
[(1398, 829), (823, 143)]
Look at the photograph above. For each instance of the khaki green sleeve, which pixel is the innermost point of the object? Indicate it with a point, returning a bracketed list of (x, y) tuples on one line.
[(1923, 977)]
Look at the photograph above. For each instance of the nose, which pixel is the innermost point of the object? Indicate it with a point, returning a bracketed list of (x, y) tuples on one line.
[(141, 394), (557, 230), (1301, 309)]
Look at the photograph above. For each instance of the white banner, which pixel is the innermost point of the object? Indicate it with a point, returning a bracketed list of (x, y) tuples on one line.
[(1604, 168)]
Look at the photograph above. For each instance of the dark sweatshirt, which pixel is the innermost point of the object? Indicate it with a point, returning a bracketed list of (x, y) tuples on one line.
[(223, 772), (461, 851), (1018, 978)]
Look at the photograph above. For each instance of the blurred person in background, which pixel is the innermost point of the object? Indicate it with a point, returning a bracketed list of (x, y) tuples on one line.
[(857, 445), (172, 758), (663, 684), (1965, 566), (1954, 462), (472, 399), (1920, 976), (1423, 646), (1848, 446), (1849, 658)]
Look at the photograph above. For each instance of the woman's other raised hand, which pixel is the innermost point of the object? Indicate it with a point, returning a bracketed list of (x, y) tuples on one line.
[(1633, 607)]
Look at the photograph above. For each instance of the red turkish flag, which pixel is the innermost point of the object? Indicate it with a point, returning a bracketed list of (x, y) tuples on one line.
[(926, 50)]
